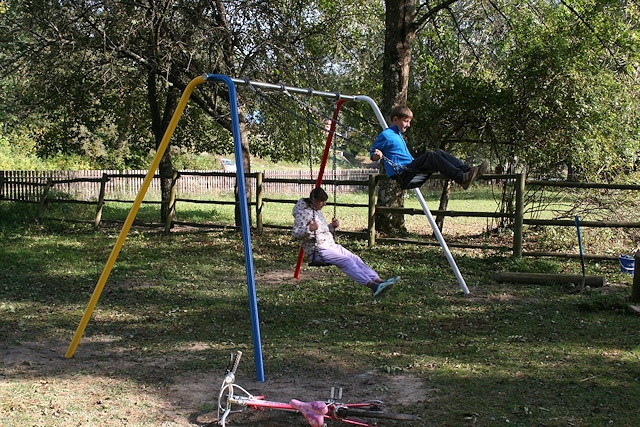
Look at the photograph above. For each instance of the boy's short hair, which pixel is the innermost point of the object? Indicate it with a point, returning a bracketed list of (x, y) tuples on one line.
[(401, 111)]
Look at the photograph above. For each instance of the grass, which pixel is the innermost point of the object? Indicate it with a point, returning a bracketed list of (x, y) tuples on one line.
[(175, 306)]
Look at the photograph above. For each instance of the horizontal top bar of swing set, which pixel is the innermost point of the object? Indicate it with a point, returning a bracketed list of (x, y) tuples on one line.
[(284, 88)]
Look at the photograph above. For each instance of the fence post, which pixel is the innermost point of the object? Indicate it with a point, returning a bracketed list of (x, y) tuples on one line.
[(371, 220), (43, 198), (1, 185), (103, 185), (519, 220), (171, 212), (259, 197)]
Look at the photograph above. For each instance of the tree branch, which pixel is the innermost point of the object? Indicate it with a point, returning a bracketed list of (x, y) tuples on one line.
[(590, 28), (421, 20)]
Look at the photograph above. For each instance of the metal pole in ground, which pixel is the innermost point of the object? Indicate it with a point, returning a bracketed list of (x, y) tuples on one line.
[(443, 244), (584, 274), (635, 290)]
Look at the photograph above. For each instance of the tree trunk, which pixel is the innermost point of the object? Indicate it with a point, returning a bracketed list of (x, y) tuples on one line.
[(159, 123), (399, 34), (166, 175)]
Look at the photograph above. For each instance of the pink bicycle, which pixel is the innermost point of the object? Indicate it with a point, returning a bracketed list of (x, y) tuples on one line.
[(234, 398)]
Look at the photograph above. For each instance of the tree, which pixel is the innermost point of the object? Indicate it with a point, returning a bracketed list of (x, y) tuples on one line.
[(541, 85), (108, 72), (403, 19), (551, 84)]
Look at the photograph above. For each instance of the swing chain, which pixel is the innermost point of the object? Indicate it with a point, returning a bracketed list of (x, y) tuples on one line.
[(313, 258), (335, 184), (310, 145), (311, 109), (398, 168)]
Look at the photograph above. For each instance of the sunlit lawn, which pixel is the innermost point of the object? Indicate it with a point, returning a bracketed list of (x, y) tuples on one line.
[(175, 306)]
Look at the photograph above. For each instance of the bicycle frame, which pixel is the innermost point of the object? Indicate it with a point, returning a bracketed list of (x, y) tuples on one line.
[(247, 400), (234, 398)]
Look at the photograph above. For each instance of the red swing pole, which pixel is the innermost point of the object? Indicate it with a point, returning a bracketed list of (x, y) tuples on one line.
[(325, 157)]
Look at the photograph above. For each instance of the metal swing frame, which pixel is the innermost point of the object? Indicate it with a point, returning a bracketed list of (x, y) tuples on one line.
[(231, 84)]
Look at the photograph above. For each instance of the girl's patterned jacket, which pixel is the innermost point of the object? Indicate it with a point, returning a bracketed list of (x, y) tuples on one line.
[(303, 214)]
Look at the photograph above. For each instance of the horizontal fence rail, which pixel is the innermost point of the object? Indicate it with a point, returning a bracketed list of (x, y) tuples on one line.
[(26, 186), (101, 186)]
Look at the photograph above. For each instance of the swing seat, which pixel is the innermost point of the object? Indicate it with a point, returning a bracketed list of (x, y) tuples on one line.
[(315, 260), (415, 182), (318, 263), (314, 263)]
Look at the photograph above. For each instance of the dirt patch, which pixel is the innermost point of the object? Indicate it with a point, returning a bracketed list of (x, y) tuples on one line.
[(93, 389), (394, 391)]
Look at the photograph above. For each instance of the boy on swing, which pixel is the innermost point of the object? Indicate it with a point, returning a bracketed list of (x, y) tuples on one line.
[(315, 235), (401, 166)]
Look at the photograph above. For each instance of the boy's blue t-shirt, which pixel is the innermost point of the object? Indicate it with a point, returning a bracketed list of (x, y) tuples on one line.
[(394, 147)]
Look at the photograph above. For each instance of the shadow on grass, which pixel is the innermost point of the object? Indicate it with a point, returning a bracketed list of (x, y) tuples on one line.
[(177, 305)]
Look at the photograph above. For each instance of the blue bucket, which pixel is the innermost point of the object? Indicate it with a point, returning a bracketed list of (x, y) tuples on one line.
[(627, 264)]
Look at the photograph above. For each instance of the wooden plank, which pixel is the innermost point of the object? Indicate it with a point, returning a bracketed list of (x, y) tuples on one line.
[(547, 278)]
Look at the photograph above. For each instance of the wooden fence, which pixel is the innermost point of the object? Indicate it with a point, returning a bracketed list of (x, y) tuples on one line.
[(98, 187), (27, 186)]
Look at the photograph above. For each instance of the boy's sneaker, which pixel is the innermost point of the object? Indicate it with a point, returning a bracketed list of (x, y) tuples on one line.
[(483, 168), (469, 177), (384, 287), (473, 174)]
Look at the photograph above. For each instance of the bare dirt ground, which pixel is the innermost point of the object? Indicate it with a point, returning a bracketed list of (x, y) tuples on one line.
[(104, 384), (81, 391)]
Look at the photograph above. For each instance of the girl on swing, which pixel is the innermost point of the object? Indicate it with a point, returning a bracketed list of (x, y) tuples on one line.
[(315, 235)]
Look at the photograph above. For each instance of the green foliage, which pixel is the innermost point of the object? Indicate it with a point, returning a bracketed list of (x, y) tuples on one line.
[(107, 95), (552, 85), (18, 153), (187, 160), (541, 84)]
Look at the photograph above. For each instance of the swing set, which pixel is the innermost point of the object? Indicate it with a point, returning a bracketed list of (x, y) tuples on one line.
[(416, 182), (244, 209)]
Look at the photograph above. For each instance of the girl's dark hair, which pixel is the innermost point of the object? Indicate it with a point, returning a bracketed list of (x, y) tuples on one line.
[(318, 194)]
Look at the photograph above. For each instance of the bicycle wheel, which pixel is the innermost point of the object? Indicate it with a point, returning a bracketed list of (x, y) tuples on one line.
[(368, 413)]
